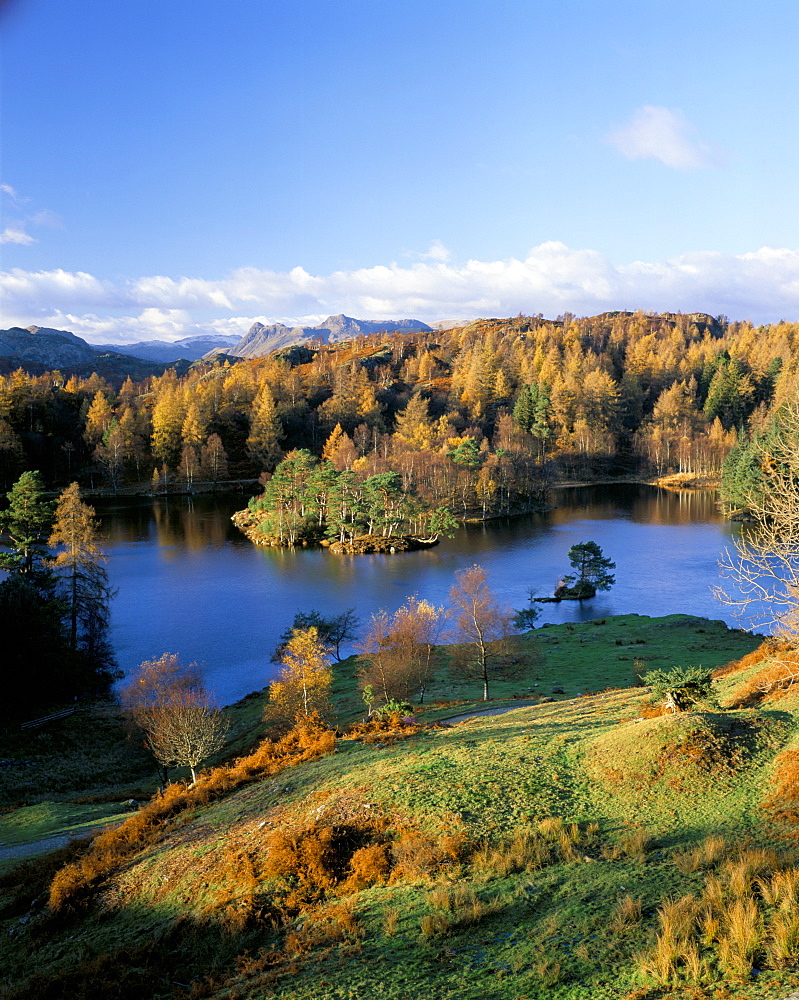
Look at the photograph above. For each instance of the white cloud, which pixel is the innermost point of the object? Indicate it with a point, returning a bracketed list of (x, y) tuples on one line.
[(47, 218), (662, 134), (16, 234), (17, 230), (10, 192), (761, 285), (436, 251)]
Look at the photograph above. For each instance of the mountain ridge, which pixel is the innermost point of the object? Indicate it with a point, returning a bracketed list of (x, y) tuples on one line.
[(186, 348), (261, 339)]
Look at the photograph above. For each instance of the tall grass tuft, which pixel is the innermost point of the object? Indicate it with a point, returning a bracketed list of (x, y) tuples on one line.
[(783, 938), (550, 841), (391, 917), (626, 914), (742, 871), (741, 940)]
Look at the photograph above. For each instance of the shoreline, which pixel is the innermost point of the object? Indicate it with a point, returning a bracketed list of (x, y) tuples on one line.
[(673, 482)]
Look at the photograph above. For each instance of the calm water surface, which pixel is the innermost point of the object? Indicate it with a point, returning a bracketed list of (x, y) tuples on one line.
[(190, 583)]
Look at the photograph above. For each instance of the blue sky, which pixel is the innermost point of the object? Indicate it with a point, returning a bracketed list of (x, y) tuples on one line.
[(173, 167)]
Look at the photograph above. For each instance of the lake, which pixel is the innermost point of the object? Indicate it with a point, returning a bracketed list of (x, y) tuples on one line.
[(190, 583)]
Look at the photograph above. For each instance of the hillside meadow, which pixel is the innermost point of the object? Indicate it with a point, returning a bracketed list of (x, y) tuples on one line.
[(578, 845)]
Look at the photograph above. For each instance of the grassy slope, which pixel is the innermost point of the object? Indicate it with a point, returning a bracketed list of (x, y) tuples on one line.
[(544, 932)]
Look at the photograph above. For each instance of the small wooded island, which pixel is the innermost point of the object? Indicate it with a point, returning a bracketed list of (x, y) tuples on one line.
[(309, 502)]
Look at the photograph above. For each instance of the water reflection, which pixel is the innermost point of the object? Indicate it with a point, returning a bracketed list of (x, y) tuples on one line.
[(185, 521), (190, 583)]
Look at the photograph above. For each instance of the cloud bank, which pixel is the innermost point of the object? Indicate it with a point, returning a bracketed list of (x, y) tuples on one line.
[(762, 286)]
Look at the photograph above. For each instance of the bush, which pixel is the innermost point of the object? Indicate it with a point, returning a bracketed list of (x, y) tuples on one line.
[(681, 688)]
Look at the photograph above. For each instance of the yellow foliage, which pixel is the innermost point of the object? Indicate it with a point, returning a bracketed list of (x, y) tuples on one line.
[(301, 689)]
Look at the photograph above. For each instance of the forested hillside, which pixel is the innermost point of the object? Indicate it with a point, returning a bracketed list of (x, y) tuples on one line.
[(477, 418)]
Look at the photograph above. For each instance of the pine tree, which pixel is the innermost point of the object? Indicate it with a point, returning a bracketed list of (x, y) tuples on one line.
[(26, 523), (592, 572)]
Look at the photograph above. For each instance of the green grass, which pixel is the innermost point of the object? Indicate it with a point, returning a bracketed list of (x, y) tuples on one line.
[(50, 818), (90, 754), (478, 927), (590, 657)]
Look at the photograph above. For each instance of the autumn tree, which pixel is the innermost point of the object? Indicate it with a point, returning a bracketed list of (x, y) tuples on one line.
[(98, 419), (479, 623), (417, 629), (384, 669), (413, 424), (110, 452), (82, 578), (193, 430), (213, 459), (168, 701), (332, 630), (302, 687), (339, 449), (168, 417), (189, 467), (263, 443)]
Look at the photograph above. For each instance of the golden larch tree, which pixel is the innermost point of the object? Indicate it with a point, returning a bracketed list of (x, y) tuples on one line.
[(302, 687)]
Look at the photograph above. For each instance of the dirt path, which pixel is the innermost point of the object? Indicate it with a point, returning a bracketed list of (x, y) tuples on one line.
[(452, 719), (18, 852)]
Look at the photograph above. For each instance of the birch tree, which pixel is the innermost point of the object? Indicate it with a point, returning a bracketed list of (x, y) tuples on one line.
[(762, 567), (168, 702), (302, 687), (479, 622)]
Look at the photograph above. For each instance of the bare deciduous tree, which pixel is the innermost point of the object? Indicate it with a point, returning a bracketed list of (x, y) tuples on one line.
[(479, 622), (418, 626), (187, 732), (399, 650), (168, 702), (763, 567), (383, 670)]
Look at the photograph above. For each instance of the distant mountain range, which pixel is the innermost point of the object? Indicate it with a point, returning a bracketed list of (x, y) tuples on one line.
[(38, 349), (188, 348), (260, 340)]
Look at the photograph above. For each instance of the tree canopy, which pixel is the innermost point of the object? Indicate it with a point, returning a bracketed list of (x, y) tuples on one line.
[(592, 572), (302, 686), (168, 701), (26, 524)]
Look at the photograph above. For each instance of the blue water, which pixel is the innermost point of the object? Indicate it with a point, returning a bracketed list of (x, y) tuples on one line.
[(190, 583)]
